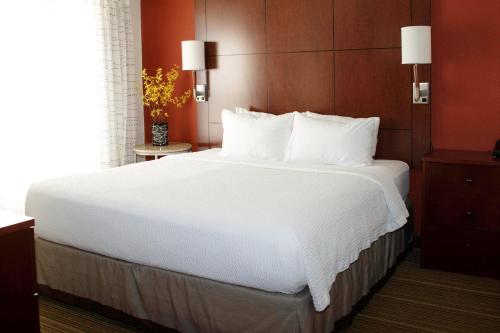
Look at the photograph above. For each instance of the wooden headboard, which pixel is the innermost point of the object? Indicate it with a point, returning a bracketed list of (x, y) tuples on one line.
[(327, 56)]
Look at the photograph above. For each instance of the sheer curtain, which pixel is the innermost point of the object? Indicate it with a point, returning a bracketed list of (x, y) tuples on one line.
[(68, 91), (116, 48)]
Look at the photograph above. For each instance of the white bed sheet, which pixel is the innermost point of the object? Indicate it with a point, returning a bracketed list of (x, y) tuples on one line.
[(398, 171), (267, 225)]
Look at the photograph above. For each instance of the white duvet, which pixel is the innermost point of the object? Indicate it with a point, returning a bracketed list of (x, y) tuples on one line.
[(267, 225)]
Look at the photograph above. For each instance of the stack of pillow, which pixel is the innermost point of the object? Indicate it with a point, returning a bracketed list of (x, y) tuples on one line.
[(299, 137)]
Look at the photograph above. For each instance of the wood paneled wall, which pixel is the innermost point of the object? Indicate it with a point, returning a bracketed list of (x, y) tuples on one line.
[(327, 56)]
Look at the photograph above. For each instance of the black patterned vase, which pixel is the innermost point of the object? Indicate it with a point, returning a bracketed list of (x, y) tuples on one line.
[(160, 134)]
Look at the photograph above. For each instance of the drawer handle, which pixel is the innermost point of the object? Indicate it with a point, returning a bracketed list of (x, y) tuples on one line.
[(468, 180), (468, 213), (35, 295)]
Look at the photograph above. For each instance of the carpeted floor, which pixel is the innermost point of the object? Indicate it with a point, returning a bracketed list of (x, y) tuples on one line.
[(413, 300)]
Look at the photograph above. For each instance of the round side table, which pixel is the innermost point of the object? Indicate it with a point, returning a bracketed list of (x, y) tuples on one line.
[(157, 151)]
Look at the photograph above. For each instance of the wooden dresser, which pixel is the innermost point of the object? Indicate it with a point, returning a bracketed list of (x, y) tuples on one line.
[(18, 297), (461, 224)]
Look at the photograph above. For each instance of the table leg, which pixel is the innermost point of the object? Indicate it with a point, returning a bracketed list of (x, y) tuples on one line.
[(135, 158)]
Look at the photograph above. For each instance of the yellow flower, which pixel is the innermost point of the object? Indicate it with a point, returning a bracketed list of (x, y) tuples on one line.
[(158, 93)]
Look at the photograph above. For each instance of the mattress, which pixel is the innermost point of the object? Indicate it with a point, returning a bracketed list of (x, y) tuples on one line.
[(398, 171), (267, 225)]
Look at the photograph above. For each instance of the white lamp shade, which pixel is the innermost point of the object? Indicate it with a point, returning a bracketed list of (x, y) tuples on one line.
[(193, 55), (416, 44)]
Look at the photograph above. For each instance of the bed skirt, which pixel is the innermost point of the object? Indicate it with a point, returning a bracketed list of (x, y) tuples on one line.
[(157, 297)]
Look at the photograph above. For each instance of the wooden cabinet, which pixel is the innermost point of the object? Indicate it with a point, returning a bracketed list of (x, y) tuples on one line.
[(18, 297), (461, 225)]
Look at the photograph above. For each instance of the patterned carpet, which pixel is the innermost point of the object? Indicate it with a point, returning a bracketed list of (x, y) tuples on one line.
[(413, 300)]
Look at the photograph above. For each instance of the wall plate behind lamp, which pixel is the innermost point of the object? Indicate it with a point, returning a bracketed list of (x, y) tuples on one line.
[(424, 97)]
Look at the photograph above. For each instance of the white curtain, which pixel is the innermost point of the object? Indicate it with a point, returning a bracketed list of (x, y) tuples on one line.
[(119, 108), (68, 91)]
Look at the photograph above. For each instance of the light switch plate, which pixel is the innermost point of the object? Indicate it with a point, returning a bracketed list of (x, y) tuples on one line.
[(201, 93), (424, 93)]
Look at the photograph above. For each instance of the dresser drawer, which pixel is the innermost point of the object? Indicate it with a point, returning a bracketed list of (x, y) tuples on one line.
[(469, 252), (458, 212), (462, 196), (461, 180)]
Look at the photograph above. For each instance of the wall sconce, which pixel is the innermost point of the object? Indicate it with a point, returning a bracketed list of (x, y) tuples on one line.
[(193, 59), (415, 50)]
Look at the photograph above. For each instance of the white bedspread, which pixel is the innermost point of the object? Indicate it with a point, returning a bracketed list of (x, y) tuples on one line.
[(267, 225)]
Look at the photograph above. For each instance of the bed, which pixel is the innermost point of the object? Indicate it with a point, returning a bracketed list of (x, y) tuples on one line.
[(203, 243)]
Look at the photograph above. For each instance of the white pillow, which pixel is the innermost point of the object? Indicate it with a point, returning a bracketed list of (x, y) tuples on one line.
[(329, 142), (373, 123), (246, 135), (241, 110)]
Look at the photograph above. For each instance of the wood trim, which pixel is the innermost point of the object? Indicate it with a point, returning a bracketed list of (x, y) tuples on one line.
[(13, 225), (449, 156), (231, 35)]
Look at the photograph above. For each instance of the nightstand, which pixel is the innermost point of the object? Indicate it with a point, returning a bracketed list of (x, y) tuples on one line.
[(157, 151), (18, 297), (461, 225)]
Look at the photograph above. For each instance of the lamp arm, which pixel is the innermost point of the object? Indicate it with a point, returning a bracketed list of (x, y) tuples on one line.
[(417, 83), (194, 84)]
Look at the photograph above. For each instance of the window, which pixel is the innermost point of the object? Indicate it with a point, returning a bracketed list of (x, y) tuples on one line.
[(54, 112)]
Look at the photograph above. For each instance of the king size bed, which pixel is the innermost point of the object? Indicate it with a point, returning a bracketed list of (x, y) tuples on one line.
[(203, 242)]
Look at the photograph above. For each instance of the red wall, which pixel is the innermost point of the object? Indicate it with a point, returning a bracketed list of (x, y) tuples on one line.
[(165, 23), (465, 74)]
